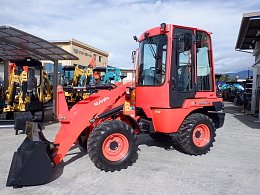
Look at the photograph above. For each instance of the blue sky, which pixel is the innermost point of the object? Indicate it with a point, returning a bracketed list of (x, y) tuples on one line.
[(110, 25)]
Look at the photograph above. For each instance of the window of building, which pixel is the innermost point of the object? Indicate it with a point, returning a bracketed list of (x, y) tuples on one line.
[(123, 73)]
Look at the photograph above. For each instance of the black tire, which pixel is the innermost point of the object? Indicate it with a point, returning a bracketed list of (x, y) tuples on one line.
[(83, 145), (9, 115), (196, 134), (113, 155), (160, 137), (83, 139)]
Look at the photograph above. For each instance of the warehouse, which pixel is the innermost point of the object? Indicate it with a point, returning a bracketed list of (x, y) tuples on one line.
[(81, 50), (249, 41)]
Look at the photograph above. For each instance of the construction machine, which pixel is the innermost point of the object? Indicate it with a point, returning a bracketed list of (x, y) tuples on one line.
[(81, 77), (104, 74), (26, 95), (107, 75), (173, 95)]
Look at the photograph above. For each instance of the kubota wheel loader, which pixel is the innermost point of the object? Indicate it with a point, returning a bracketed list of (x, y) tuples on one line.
[(174, 94)]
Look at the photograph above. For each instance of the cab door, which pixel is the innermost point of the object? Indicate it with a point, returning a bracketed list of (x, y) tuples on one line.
[(182, 84)]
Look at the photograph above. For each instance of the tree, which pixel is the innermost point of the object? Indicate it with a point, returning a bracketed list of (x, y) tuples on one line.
[(225, 78)]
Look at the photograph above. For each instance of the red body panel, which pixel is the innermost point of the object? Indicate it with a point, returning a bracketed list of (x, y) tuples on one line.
[(169, 120), (153, 96)]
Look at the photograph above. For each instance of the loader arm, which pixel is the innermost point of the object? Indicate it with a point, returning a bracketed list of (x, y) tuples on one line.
[(75, 120)]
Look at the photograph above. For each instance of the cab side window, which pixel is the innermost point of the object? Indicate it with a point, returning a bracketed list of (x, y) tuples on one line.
[(203, 62), (184, 62)]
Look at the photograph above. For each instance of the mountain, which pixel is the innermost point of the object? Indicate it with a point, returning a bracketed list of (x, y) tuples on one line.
[(241, 74)]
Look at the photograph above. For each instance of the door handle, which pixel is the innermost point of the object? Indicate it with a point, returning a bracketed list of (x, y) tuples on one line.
[(173, 83)]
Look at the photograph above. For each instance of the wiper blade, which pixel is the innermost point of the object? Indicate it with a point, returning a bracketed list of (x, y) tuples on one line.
[(150, 42)]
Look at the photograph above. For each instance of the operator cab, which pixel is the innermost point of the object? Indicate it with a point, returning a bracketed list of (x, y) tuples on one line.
[(174, 63)]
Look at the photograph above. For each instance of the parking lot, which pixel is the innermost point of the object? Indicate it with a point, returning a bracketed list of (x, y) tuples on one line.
[(231, 167)]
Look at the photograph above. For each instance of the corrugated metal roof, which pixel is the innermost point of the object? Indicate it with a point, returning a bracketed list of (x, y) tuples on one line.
[(249, 32), (16, 44)]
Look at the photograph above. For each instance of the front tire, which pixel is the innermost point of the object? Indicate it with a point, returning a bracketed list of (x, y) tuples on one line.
[(112, 145), (196, 134)]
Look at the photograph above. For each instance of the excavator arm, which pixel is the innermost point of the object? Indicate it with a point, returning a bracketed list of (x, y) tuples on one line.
[(46, 85), (77, 74), (15, 86)]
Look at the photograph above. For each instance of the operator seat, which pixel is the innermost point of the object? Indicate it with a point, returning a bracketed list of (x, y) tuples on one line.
[(147, 77), (32, 80)]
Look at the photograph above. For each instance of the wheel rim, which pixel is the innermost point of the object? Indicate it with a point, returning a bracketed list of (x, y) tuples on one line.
[(201, 135), (115, 147)]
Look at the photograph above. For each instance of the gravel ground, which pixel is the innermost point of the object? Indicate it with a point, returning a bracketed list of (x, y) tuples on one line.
[(231, 167)]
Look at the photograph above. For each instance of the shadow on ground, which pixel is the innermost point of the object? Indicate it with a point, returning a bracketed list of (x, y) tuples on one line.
[(236, 111), (58, 170), (168, 145)]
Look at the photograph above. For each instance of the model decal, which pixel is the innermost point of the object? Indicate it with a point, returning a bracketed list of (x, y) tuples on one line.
[(101, 101)]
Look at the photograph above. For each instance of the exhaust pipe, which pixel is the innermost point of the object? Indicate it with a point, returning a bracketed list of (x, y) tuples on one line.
[(32, 164)]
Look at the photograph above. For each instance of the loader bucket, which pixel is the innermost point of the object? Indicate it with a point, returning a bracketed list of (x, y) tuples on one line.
[(32, 164)]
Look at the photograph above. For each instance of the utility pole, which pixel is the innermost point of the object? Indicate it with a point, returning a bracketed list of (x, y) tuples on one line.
[(248, 70)]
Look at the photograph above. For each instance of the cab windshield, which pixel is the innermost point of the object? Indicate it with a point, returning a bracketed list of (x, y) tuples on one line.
[(151, 61)]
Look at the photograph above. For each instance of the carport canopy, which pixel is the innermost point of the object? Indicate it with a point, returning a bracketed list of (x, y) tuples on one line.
[(17, 44)]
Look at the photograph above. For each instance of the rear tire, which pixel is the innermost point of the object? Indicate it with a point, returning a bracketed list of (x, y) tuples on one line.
[(196, 134), (112, 145)]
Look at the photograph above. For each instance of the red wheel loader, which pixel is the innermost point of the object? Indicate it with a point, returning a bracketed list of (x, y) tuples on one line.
[(174, 94)]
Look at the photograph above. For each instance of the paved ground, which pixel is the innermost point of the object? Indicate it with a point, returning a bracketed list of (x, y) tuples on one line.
[(231, 167)]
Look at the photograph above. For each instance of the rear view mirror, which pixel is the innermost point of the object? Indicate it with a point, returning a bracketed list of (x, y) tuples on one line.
[(133, 56)]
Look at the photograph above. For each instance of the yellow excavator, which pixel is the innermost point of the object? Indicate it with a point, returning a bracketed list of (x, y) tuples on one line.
[(81, 78), (28, 92)]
